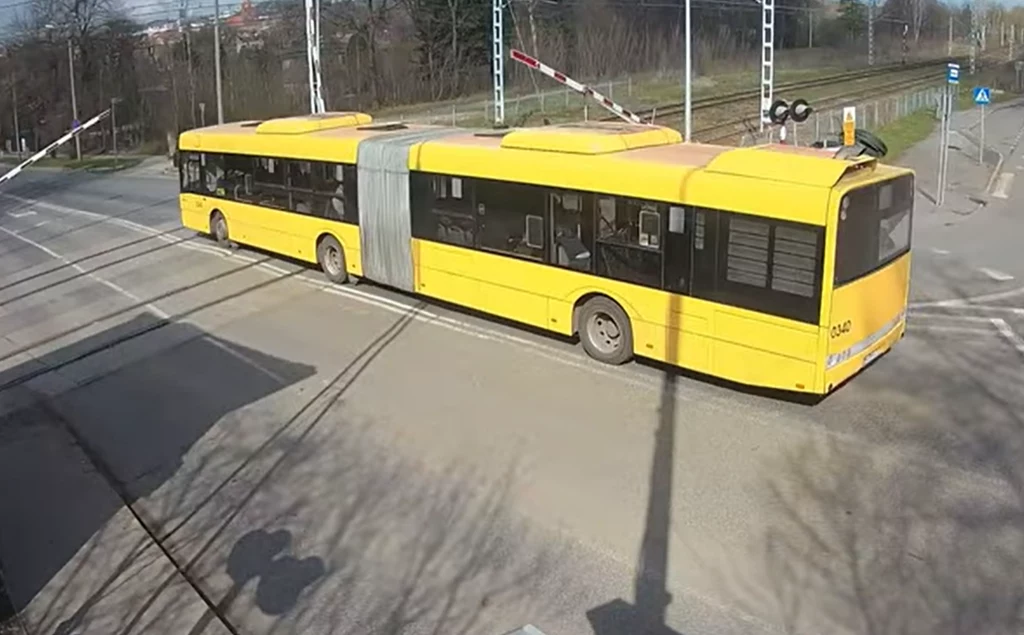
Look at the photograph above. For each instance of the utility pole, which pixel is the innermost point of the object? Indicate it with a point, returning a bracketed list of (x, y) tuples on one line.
[(74, 100), (810, 28), (974, 34), (17, 127), (767, 60), (687, 103), (216, 61), (113, 125), (498, 60), (316, 98), (949, 45), (871, 33), (903, 44), (1013, 38)]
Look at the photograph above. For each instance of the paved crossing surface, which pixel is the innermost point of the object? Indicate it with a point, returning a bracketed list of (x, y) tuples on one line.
[(314, 459)]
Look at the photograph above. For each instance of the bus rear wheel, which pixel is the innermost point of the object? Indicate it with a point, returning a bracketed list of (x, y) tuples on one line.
[(331, 257), (605, 331)]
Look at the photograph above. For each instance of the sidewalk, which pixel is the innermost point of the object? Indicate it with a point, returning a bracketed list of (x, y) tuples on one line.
[(968, 179), (74, 557)]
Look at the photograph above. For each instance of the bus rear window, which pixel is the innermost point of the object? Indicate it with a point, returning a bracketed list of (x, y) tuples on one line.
[(874, 227)]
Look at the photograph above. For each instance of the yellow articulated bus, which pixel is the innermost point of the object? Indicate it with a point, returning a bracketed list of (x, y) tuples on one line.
[(769, 266)]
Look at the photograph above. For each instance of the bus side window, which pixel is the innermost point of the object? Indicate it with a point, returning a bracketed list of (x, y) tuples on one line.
[(214, 174), (678, 255), (510, 217), (572, 229), (442, 209), (705, 253), (191, 173), (269, 183), (629, 240), (301, 177), (238, 170)]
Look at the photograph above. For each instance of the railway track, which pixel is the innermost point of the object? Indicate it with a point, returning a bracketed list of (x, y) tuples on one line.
[(711, 101), (722, 130)]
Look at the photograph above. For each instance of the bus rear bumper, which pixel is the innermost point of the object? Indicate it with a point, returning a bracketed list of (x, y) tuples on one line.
[(840, 372)]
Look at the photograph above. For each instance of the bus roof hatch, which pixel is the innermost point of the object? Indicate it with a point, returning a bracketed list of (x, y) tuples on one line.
[(304, 124), (590, 138), (787, 164)]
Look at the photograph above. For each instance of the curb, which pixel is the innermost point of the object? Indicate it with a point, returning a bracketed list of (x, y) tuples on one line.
[(999, 163)]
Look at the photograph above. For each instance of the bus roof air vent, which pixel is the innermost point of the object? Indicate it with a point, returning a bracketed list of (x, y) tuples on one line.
[(305, 124), (492, 134), (250, 124), (384, 127), (590, 138)]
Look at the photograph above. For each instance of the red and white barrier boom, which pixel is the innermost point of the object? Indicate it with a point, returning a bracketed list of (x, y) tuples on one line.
[(42, 153), (583, 89)]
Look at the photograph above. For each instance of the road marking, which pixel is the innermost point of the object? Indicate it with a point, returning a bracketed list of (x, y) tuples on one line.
[(958, 318), (575, 360), (160, 313), (944, 328), (995, 274), (1011, 336), (968, 301), (1003, 185), (21, 214), (971, 307), (941, 252)]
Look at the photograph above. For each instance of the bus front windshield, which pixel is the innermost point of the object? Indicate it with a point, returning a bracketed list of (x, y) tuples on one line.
[(874, 227)]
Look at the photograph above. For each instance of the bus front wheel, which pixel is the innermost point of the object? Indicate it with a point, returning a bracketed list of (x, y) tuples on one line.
[(219, 229), (605, 331), (331, 257)]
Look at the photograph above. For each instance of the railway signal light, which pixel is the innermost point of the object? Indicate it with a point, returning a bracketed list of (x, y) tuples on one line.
[(800, 110), (780, 111)]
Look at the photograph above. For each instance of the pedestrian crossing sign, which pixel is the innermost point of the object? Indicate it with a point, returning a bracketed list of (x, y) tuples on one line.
[(982, 95)]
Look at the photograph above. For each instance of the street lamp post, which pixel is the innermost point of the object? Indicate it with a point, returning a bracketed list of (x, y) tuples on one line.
[(216, 60), (74, 100), (17, 126), (113, 125), (689, 85)]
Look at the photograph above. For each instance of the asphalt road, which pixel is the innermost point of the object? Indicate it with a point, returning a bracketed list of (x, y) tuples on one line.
[(349, 460)]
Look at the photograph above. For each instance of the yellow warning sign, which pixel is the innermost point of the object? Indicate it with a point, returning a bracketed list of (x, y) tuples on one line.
[(849, 125)]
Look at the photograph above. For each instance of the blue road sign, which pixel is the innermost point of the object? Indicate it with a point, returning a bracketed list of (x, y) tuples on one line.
[(75, 123), (952, 73), (982, 95)]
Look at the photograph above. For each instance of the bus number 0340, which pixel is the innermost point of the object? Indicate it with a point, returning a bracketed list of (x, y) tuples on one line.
[(840, 329)]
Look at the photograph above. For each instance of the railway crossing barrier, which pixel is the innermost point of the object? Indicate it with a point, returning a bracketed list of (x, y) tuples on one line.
[(67, 136)]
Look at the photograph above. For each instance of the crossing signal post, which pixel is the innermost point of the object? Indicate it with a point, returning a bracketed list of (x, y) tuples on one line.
[(779, 112), (982, 97), (946, 110)]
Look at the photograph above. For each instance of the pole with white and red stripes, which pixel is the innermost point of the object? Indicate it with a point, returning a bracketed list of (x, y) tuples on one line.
[(583, 89)]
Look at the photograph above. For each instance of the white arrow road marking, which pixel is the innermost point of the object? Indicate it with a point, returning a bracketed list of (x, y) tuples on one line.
[(998, 276)]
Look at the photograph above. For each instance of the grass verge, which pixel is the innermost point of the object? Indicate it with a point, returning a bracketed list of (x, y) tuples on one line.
[(906, 132)]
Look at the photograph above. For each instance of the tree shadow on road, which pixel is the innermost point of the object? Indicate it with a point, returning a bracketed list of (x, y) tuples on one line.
[(75, 472), (921, 528)]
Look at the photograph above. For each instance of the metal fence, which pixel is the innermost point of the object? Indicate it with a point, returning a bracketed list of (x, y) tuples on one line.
[(871, 115)]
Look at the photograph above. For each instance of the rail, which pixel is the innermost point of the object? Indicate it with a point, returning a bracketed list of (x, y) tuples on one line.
[(712, 101)]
